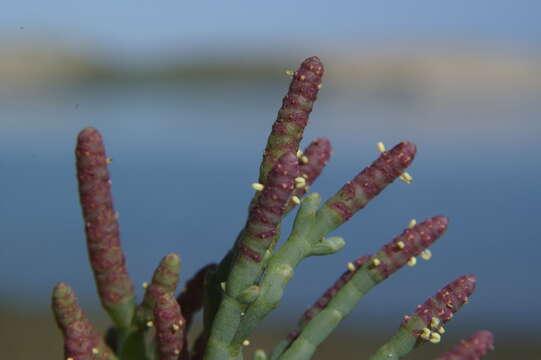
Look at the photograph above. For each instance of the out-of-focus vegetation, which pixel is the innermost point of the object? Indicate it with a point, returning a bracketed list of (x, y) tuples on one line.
[(429, 71), (35, 336)]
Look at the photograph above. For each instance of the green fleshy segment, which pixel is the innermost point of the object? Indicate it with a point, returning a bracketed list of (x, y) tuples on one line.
[(249, 295), (260, 355), (65, 307), (304, 236), (401, 343), (164, 280), (135, 347), (328, 246), (319, 327), (279, 349), (167, 273), (122, 313)]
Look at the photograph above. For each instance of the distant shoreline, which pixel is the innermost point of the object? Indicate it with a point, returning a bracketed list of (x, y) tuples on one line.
[(425, 71)]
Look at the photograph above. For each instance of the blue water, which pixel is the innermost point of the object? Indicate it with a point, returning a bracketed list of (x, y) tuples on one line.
[(184, 158)]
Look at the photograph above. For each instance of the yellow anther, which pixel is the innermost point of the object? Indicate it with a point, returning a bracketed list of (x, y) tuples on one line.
[(435, 322), (412, 223), (302, 78), (441, 330), (150, 324), (400, 244), (258, 186), (300, 182), (299, 153), (319, 86), (246, 342), (435, 338), (407, 178), (108, 160), (95, 351), (351, 267), (70, 358), (426, 333), (242, 314), (426, 254), (290, 72), (381, 146), (412, 261), (296, 199), (176, 351), (376, 261), (304, 159), (222, 285), (176, 327), (145, 285)]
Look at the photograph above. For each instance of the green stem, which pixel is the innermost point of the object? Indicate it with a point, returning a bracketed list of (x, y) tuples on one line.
[(375, 269), (425, 325)]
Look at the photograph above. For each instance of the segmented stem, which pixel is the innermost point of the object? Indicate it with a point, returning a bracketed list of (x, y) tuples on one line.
[(164, 280), (255, 240), (81, 341), (426, 323), (375, 269), (311, 163), (102, 231), (169, 327), (473, 348), (191, 298), (356, 194), (288, 128)]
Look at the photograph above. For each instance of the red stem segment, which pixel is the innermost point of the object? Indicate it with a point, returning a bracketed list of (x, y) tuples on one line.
[(395, 254), (473, 348), (269, 208), (288, 128), (102, 230), (356, 193), (191, 298), (169, 327), (443, 305), (81, 341)]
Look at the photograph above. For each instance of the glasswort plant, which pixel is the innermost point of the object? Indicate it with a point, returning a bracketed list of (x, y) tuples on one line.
[(237, 293)]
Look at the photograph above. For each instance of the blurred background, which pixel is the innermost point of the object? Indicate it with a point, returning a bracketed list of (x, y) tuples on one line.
[(185, 94)]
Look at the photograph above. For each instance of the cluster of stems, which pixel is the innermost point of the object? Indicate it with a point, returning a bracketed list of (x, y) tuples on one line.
[(237, 293)]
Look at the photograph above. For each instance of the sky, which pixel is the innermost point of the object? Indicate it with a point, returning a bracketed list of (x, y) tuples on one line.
[(146, 29)]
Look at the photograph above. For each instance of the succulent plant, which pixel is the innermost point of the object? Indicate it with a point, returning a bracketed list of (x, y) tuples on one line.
[(238, 292)]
